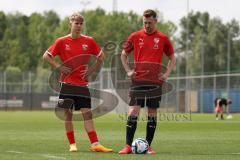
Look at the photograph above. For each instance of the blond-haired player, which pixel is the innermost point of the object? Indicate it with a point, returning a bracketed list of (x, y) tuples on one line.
[(75, 72)]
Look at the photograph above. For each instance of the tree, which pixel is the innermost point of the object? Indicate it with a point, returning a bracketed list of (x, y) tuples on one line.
[(3, 25), (41, 35), (207, 39)]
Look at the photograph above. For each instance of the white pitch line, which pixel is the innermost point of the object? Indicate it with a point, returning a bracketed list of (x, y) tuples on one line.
[(227, 154), (233, 153), (43, 155), (52, 156), (17, 152), (195, 121)]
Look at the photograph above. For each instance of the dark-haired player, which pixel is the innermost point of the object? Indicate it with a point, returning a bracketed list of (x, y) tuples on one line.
[(148, 46)]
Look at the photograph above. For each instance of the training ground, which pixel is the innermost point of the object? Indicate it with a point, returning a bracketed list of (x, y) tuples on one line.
[(40, 135)]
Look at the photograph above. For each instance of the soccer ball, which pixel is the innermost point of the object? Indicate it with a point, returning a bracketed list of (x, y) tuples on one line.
[(139, 146)]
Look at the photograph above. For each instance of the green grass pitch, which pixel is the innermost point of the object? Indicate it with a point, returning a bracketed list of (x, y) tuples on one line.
[(40, 135)]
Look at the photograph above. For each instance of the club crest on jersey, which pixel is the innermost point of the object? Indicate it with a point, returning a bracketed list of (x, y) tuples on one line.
[(141, 42), (67, 47), (84, 47), (156, 42)]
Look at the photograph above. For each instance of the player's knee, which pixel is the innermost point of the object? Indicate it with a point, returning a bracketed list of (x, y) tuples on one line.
[(134, 111), (87, 115), (67, 115)]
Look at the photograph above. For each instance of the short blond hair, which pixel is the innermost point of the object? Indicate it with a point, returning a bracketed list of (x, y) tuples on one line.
[(76, 16)]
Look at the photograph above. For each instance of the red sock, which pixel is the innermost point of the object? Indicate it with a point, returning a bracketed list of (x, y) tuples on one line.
[(92, 135), (70, 136)]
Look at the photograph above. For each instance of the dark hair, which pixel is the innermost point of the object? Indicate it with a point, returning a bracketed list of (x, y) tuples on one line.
[(149, 13)]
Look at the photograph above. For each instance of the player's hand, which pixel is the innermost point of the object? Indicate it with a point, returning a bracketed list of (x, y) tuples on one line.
[(65, 70), (86, 74), (162, 77), (131, 74)]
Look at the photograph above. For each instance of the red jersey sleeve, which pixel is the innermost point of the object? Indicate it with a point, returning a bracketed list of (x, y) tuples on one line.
[(95, 48), (55, 48), (168, 48), (128, 46)]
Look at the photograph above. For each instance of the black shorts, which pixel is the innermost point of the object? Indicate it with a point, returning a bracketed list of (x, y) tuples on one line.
[(149, 93), (79, 95)]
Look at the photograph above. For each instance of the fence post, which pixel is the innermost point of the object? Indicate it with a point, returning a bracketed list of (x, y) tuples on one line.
[(201, 95), (190, 96), (214, 87), (23, 83), (101, 78), (177, 96), (186, 94), (5, 88), (4, 83), (30, 88)]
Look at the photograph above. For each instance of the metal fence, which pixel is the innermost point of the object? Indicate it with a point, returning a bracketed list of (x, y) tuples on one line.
[(189, 94)]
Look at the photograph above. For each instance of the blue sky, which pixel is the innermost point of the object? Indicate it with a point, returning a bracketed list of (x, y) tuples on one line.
[(172, 10)]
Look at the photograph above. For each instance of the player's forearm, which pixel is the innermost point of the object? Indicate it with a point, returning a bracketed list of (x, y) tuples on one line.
[(171, 65), (124, 60), (97, 65), (49, 59)]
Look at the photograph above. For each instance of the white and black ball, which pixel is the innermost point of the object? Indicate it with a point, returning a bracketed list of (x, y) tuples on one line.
[(140, 146)]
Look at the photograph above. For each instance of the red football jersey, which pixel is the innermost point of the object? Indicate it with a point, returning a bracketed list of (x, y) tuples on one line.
[(75, 54), (148, 50)]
